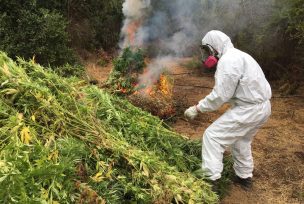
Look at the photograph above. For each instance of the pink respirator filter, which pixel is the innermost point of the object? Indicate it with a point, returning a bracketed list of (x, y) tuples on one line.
[(210, 62)]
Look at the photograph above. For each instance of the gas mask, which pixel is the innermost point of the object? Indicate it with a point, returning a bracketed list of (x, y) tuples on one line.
[(209, 56)]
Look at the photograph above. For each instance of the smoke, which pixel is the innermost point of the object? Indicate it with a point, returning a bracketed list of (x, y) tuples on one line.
[(176, 27), (134, 12), (154, 70)]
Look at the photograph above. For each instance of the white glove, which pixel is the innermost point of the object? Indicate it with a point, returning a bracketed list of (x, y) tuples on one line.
[(191, 113)]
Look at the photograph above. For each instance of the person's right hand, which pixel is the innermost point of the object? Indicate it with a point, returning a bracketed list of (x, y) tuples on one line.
[(191, 113)]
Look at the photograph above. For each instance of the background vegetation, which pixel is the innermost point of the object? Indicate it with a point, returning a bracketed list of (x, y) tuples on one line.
[(278, 43), (50, 30), (28, 30), (93, 24)]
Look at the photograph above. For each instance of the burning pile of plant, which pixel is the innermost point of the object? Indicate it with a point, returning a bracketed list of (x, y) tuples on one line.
[(68, 142), (152, 92), (157, 98)]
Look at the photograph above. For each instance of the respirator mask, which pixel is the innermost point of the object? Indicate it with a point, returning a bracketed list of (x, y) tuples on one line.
[(209, 56)]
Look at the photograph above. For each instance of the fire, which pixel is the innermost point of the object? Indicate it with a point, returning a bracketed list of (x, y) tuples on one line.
[(131, 30), (144, 90), (165, 86), (149, 91), (124, 90), (156, 98)]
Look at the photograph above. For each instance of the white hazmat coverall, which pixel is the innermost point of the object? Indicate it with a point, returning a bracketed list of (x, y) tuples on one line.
[(240, 81)]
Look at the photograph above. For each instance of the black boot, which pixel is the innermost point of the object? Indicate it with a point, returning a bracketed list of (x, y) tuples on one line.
[(245, 184), (215, 186)]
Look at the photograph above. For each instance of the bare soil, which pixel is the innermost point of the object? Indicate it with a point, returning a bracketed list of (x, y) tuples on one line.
[(96, 71), (278, 148)]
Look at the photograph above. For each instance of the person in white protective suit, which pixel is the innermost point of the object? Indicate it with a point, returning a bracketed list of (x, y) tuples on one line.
[(240, 81)]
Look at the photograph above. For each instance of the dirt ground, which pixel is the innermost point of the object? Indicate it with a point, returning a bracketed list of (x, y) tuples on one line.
[(278, 148)]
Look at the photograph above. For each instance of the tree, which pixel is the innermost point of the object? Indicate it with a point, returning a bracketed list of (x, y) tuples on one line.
[(27, 30)]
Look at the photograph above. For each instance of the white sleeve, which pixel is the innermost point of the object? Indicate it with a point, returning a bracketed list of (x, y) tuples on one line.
[(223, 91)]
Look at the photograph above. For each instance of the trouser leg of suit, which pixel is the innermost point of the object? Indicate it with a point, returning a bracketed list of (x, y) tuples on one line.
[(235, 128), (212, 156), (242, 155)]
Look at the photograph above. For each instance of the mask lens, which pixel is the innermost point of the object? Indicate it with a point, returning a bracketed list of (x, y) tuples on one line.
[(205, 52), (205, 55)]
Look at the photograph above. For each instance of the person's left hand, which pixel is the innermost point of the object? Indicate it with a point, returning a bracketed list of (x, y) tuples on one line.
[(191, 113)]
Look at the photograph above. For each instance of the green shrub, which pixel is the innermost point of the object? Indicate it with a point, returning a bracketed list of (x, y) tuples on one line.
[(296, 21), (93, 24), (28, 31), (125, 71), (129, 61)]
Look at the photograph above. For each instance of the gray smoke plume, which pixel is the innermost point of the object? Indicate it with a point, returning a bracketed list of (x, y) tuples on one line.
[(154, 70), (176, 27), (134, 12)]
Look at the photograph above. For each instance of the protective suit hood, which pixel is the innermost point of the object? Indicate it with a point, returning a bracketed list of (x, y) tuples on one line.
[(218, 40)]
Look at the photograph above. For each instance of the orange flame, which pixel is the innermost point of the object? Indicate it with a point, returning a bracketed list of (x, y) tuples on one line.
[(124, 91), (147, 91), (131, 30), (165, 86)]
